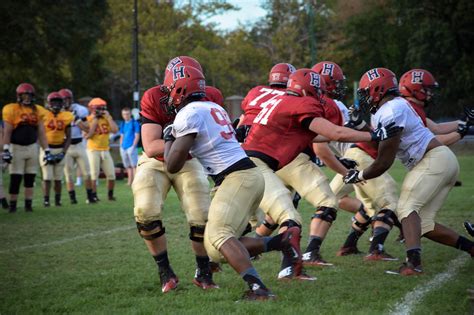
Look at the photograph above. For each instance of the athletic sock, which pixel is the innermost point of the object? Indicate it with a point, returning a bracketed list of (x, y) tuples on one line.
[(253, 279), (13, 205), (57, 198), (414, 256), (111, 193), (314, 244), (46, 199), (272, 242), (464, 244), (202, 262), (72, 195), (162, 260), (352, 238), (28, 204), (380, 234)]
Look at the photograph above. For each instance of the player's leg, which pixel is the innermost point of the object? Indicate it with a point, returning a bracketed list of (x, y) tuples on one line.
[(16, 170), (109, 170), (3, 199), (69, 160), (424, 190), (278, 205), (192, 187), (149, 192), (133, 156), (126, 164), (31, 168), (58, 177), (94, 161), (83, 162), (312, 184)]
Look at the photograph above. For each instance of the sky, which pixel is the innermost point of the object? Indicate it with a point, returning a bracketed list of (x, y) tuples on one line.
[(250, 12)]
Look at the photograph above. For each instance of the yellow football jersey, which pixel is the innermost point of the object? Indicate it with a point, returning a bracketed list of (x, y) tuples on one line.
[(100, 138), (55, 126), (15, 114)]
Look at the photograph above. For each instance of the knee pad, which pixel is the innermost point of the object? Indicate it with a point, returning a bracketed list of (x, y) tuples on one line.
[(272, 227), (29, 180), (326, 214), (151, 230), (15, 182), (362, 225), (385, 216), (290, 224), (196, 233)]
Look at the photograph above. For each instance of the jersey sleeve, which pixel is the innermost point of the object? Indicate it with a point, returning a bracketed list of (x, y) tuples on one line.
[(186, 124), (8, 114), (398, 115), (42, 112), (308, 109), (150, 101)]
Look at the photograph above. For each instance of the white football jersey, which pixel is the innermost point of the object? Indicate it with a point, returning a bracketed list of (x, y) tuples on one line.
[(81, 112), (340, 148), (215, 144), (415, 136)]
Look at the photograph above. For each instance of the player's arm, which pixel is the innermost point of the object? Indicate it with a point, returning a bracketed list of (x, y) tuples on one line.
[(7, 132), (43, 141), (152, 142), (176, 152), (442, 128), (67, 142), (334, 132), (325, 154), (385, 157), (113, 125), (92, 127)]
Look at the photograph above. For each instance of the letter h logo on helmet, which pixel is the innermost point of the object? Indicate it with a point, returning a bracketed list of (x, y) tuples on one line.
[(178, 73), (328, 69), (315, 80), (373, 74), (417, 77)]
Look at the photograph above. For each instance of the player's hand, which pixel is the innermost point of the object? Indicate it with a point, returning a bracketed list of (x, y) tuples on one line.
[(59, 157), (7, 156), (353, 177), (241, 133), (48, 158), (235, 123), (384, 132), (469, 112), (168, 133), (355, 119), (463, 129), (348, 163)]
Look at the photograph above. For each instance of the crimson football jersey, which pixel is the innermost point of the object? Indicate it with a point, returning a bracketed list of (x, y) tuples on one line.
[(419, 110), (332, 111), (256, 99), (277, 130)]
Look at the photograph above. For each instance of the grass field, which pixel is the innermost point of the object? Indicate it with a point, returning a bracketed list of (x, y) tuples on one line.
[(90, 259)]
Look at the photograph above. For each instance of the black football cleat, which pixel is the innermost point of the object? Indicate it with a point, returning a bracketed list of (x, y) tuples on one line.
[(258, 294), (169, 281), (203, 279)]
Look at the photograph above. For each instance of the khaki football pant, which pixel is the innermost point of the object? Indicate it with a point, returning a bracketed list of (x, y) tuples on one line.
[(25, 159), (76, 155), (376, 194), (51, 171), (101, 159), (427, 185), (235, 201), (277, 201), (309, 181), (152, 183)]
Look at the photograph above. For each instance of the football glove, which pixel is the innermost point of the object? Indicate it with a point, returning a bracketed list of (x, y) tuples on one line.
[(383, 133), (241, 133), (235, 123), (463, 129), (168, 133), (355, 119), (469, 112), (7, 156), (348, 163), (48, 158), (353, 177), (469, 228), (59, 157)]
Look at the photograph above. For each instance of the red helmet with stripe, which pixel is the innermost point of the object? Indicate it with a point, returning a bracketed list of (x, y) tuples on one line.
[(333, 77), (419, 84), (306, 82), (280, 73), (374, 85)]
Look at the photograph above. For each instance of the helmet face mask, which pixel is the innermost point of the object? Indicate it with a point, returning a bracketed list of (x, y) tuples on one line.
[(56, 105), (25, 94), (26, 98), (183, 83)]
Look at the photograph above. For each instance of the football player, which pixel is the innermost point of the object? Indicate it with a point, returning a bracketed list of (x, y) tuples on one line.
[(204, 130), (152, 183), (433, 168), (23, 128), (3, 199), (384, 200), (418, 87), (293, 121), (100, 125), (76, 154), (57, 124)]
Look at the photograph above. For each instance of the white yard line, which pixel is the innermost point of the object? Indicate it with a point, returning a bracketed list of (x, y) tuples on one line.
[(414, 297)]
